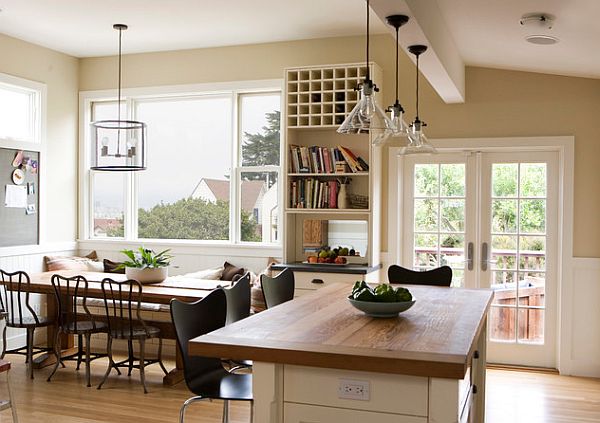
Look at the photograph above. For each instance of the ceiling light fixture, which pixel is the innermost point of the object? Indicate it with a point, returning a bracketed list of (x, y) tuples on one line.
[(538, 27), (367, 117), (396, 110), (417, 141), (118, 145)]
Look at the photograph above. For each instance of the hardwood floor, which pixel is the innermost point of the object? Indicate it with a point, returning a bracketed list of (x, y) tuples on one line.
[(512, 397), (530, 397)]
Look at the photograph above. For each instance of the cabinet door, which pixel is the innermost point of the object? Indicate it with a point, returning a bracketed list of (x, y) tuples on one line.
[(302, 413)]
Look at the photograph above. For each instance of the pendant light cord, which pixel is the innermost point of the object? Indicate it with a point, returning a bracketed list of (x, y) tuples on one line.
[(119, 91), (368, 74), (397, 65), (417, 85)]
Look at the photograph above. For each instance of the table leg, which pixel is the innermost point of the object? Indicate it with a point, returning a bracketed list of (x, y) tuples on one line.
[(67, 342), (175, 376)]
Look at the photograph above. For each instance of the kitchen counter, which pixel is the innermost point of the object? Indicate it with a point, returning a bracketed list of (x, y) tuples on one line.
[(356, 269), (435, 351)]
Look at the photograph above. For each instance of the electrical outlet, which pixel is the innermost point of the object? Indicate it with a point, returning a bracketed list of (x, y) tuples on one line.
[(354, 389)]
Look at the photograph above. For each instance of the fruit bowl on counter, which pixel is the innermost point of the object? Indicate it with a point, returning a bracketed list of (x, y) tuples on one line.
[(338, 256), (381, 301)]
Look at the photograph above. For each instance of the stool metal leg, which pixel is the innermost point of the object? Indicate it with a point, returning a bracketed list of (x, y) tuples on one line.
[(185, 406), (225, 411)]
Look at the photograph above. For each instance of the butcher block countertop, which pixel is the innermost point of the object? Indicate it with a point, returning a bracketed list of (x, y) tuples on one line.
[(435, 338)]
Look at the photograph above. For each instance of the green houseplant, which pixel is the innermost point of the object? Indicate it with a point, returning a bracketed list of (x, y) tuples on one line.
[(146, 266)]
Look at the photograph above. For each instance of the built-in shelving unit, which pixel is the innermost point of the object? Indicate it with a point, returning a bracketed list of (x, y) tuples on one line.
[(318, 99)]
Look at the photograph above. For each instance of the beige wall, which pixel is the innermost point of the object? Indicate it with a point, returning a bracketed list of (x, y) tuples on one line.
[(60, 74), (499, 103)]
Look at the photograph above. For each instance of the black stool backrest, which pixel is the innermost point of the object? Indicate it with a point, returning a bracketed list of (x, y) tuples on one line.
[(238, 299), (122, 303), (195, 319), (441, 276), (279, 289), (66, 292), (14, 297)]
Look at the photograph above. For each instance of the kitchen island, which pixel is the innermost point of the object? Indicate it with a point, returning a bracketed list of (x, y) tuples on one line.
[(318, 359)]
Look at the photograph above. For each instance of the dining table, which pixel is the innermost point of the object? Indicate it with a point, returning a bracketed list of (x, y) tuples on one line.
[(182, 288)]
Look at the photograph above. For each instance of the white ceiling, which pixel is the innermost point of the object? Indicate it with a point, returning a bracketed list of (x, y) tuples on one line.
[(83, 28), (472, 32), (487, 33)]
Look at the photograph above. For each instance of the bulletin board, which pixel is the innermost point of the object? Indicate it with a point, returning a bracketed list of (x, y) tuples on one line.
[(19, 218)]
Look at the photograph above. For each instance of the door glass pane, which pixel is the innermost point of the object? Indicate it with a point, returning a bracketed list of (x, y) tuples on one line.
[(502, 321), (439, 218), (519, 260)]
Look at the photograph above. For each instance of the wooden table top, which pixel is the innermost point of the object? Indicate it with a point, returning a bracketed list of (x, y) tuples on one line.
[(435, 338), (183, 289)]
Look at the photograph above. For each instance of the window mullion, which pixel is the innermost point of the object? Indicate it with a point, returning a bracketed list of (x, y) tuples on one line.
[(235, 182)]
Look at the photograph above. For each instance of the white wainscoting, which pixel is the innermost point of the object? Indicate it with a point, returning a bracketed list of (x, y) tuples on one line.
[(31, 260), (580, 351)]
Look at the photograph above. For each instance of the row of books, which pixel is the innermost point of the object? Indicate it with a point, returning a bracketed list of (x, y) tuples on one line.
[(317, 159), (311, 193)]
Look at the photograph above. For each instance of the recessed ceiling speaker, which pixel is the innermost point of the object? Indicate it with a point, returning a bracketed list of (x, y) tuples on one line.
[(538, 26)]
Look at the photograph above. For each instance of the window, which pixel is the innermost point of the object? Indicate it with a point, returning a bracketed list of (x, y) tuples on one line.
[(212, 170), (20, 103)]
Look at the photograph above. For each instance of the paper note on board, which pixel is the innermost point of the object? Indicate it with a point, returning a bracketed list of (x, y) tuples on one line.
[(16, 196)]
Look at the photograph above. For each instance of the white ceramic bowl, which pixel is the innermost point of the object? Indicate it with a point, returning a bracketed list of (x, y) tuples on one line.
[(375, 309)]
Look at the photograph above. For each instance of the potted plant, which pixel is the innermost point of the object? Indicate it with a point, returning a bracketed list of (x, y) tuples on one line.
[(146, 266)]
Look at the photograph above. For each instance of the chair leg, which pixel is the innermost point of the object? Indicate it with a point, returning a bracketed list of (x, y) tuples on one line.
[(162, 366), (142, 364), (185, 406), (11, 398), (30, 351), (111, 362), (225, 411), (56, 352), (4, 339), (79, 350), (87, 358), (251, 411), (130, 351)]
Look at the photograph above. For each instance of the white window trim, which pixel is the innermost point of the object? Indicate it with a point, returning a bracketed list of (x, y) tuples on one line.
[(565, 146), (130, 95), (38, 144)]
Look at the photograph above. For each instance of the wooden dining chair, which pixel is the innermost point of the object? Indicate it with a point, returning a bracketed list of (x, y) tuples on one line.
[(441, 276), (122, 303), (10, 402), (68, 293), (205, 377), (279, 289), (19, 314)]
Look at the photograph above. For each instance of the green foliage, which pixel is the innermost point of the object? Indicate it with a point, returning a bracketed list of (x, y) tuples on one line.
[(118, 231), (144, 258), (192, 218), (262, 149)]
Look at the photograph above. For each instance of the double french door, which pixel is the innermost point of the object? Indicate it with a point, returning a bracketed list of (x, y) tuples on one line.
[(491, 217)]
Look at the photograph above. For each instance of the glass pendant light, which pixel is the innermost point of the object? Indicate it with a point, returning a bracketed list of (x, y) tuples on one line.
[(118, 145), (367, 116), (396, 110), (417, 141)]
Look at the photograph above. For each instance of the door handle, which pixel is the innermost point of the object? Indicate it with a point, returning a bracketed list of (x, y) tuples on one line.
[(470, 256), (484, 256)]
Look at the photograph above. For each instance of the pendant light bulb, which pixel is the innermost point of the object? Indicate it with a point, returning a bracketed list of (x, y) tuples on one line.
[(396, 111), (417, 141), (367, 117)]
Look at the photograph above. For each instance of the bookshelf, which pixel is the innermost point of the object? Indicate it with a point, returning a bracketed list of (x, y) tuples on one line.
[(317, 158)]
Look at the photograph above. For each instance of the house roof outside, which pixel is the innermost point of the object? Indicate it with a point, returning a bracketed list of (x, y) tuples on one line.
[(251, 191)]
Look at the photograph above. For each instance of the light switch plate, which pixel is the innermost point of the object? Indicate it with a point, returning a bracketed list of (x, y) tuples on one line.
[(354, 389)]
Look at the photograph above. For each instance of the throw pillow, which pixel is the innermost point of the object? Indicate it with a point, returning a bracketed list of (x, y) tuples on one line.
[(112, 267), (257, 299), (211, 274), (87, 263), (229, 271)]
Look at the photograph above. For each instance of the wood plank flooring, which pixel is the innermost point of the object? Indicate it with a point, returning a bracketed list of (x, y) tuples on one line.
[(512, 397)]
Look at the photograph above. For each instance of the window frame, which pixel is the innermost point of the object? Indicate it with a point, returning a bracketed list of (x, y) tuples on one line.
[(131, 96)]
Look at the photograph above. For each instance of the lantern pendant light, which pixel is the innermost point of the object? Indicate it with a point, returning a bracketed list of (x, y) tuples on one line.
[(417, 141), (396, 110), (118, 145), (367, 117)]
